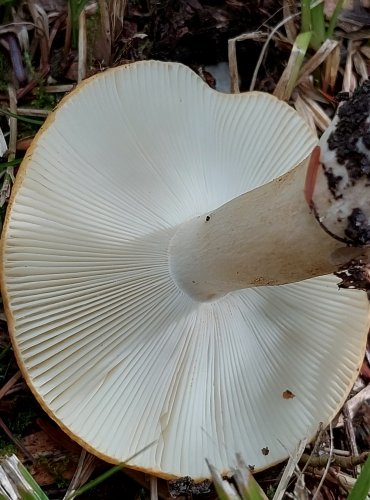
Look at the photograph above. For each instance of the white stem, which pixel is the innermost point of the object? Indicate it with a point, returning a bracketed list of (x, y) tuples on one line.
[(267, 236)]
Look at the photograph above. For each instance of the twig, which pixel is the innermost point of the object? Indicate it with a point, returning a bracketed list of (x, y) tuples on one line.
[(15, 440), (316, 446), (43, 113), (9, 384), (345, 462), (350, 433), (328, 463)]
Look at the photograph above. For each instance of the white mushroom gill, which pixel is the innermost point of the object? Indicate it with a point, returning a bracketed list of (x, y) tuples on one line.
[(110, 335)]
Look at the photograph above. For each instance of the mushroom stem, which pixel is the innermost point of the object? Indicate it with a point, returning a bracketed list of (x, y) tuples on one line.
[(268, 236)]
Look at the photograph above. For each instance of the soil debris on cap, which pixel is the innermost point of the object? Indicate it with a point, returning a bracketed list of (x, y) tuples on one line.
[(355, 274), (344, 209), (353, 126)]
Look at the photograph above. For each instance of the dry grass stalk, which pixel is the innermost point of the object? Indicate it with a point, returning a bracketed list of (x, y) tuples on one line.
[(233, 65), (85, 467), (349, 79), (82, 46), (41, 21), (331, 68), (13, 123), (42, 113), (308, 88), (337, 452), (288, 79), (56, 89), (365, 50), (117, 13), (319, 116), (12, 147), (153, 488), (360, 66), (264, 49), (317, 59), (357, 35), (106, 37), (289, 12), (305, 112), (289, 470), (300, 491), (3, 145)]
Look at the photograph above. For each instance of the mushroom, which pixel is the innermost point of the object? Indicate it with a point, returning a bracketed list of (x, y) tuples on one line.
[(147, 221)]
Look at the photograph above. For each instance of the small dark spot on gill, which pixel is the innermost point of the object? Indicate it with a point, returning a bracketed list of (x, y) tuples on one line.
[(207, 218)]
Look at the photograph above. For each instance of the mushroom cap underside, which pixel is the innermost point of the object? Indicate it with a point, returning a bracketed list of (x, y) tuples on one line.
[(114, 351)]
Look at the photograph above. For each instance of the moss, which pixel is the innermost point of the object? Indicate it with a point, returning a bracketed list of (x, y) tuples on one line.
[(56, 468), (7, 447), (22, 420), (43, 100)]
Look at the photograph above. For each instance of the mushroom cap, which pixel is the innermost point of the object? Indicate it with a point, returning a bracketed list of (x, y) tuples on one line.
[(114, 351)]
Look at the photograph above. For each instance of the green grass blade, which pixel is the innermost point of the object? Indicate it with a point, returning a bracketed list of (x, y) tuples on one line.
[(248, 487), (33, 121), (12, 163), (334, 18), (16, 480), (75, 9), (224, 490), (288, 79), (361, 488), (305, 16), (318, 26), (103, 477)]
